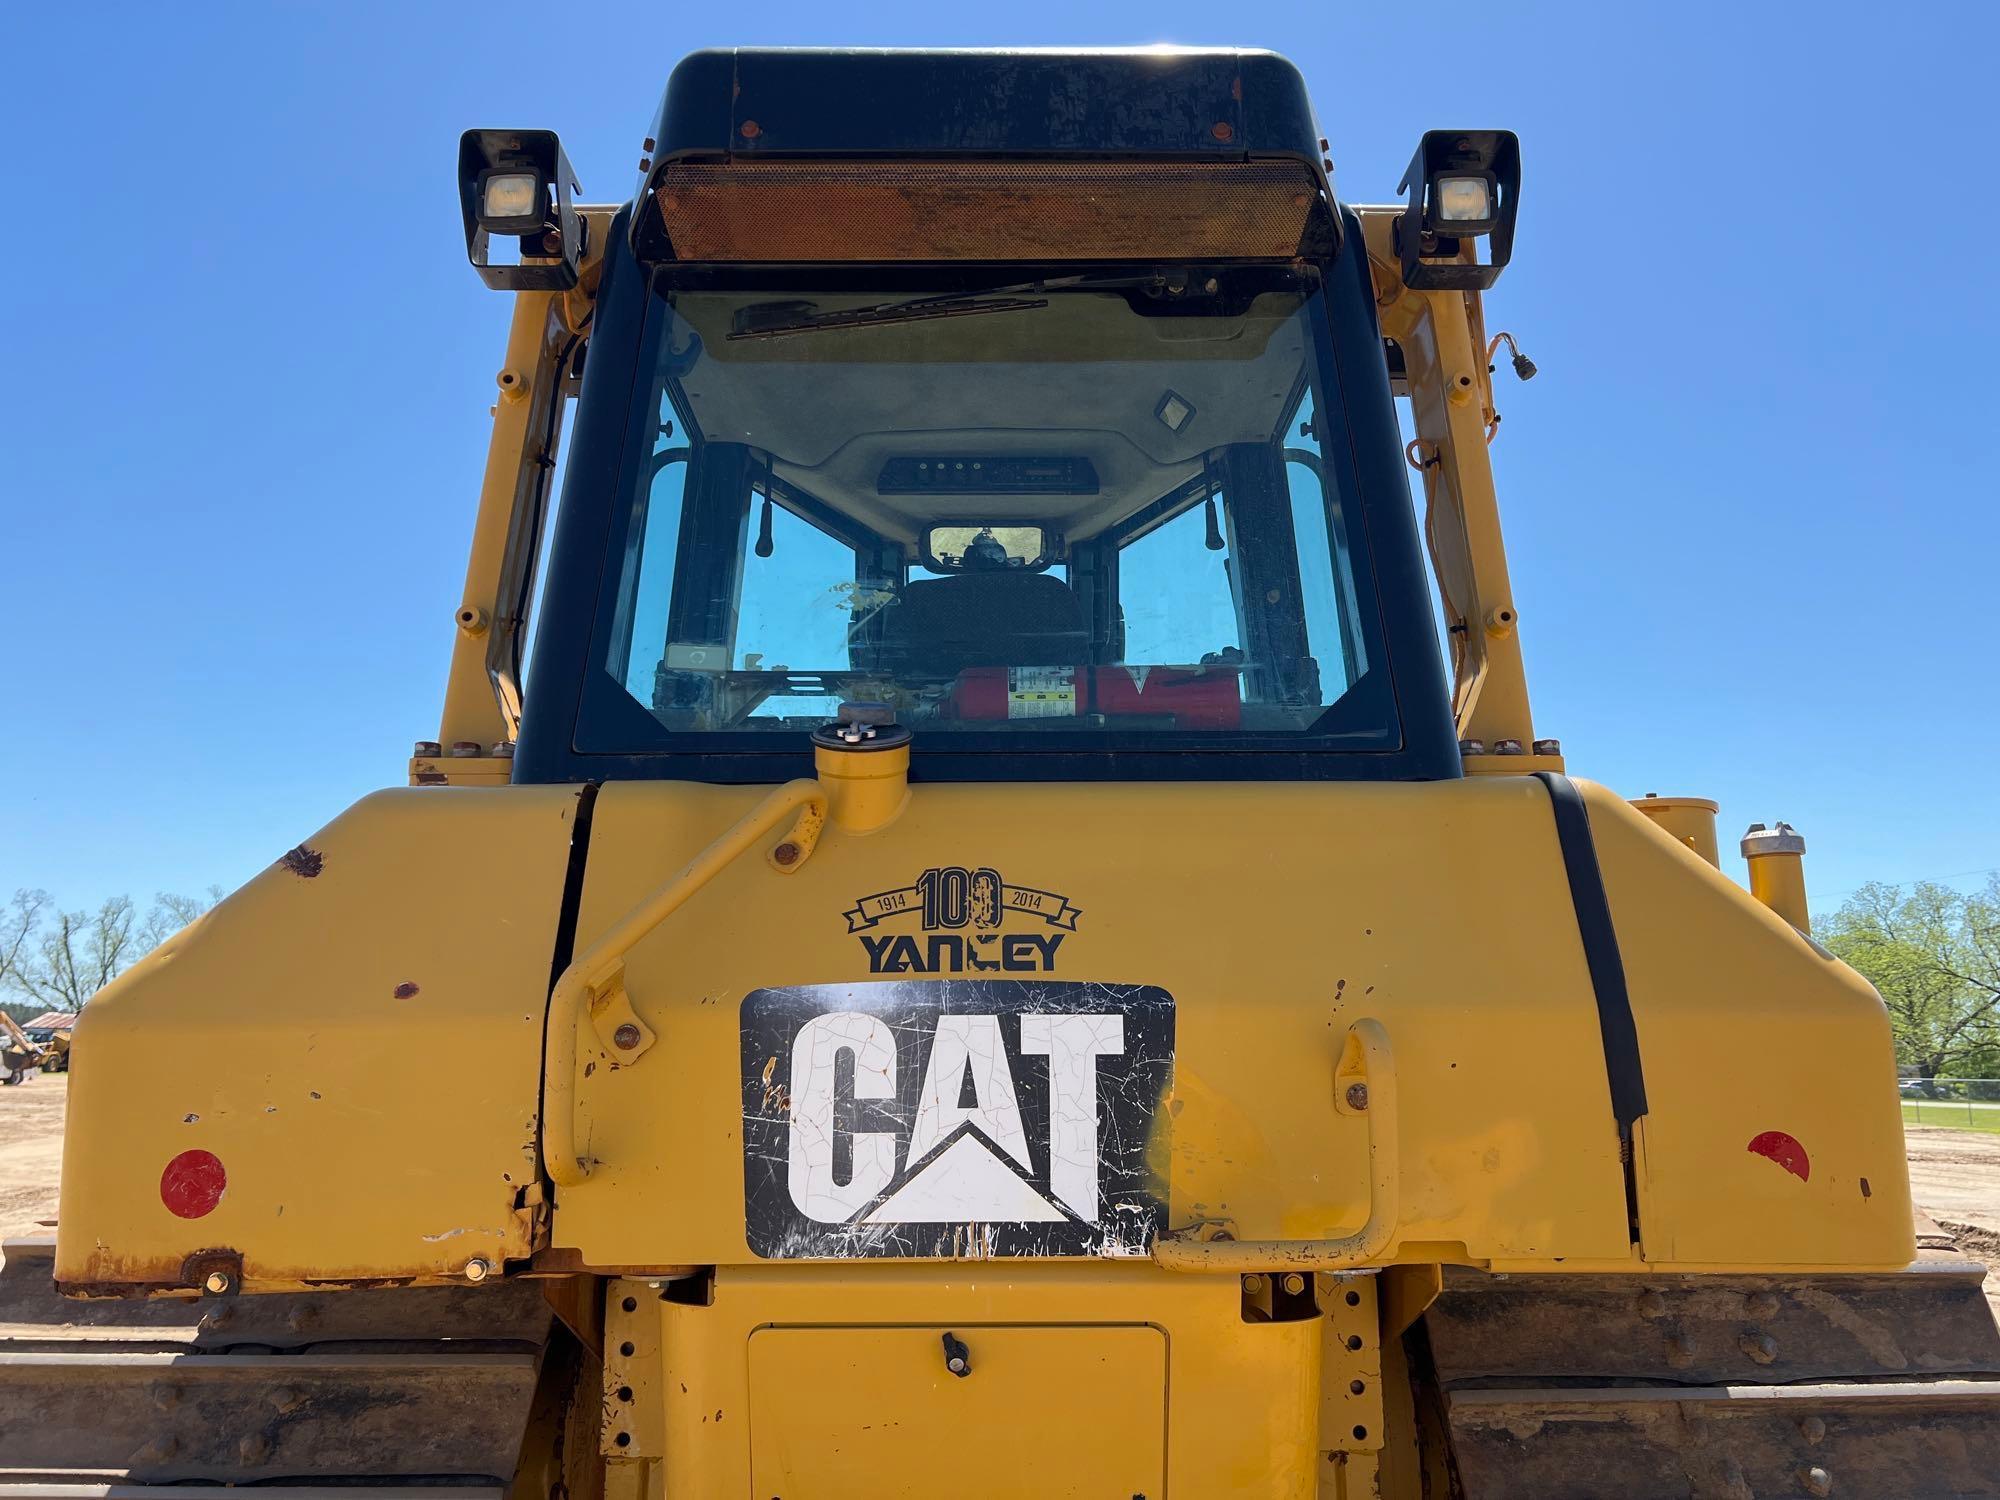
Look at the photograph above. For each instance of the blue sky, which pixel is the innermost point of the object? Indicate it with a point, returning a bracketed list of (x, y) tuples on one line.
[(1748, 500)]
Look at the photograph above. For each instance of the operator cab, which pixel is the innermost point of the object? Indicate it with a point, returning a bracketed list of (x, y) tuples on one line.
[(1067, 466)]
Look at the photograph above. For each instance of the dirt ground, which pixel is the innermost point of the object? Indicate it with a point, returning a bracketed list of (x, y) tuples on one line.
[(1954, 1174), (31, 1126)]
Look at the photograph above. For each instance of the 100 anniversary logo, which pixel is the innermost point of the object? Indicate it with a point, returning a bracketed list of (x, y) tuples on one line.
[(962, 913)]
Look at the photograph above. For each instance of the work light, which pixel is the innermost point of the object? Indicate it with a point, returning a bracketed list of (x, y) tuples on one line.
[(512, 200), (519, 183), (1464, 185)]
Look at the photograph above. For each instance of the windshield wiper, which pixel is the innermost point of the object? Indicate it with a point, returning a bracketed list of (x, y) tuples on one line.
[(769, 320)]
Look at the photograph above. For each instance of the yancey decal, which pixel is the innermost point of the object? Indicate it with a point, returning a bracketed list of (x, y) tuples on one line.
[(962, 1118), (962, 913)]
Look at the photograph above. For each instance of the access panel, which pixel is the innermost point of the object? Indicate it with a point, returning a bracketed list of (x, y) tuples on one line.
[(880, 1413)]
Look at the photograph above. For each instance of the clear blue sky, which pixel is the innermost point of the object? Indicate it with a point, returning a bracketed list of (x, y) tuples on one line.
[(1749, 501)]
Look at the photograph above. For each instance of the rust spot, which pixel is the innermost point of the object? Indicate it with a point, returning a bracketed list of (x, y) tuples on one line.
[(195, 1268), (305, 862), (1785, 1150), (431, 778), (589, 1068), (1236, 89), (406, 990), (1864, 1189)]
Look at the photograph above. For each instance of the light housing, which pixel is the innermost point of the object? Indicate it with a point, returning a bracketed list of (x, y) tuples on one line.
[(1463, 185), (527, 172)]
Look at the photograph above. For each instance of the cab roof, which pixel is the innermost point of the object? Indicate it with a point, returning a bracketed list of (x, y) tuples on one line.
[(1174, 103)]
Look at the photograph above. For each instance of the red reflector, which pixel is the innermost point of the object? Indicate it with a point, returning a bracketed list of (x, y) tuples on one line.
[(1786, 1151), (192, 1183), (993, 210)]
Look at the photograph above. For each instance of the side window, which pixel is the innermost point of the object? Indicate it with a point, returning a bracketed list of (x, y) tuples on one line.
[(639, 633), (798, 595), (1175, 592)]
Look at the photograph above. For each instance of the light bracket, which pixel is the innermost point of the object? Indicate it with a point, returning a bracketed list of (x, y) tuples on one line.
[(551, 232), (1428, 243)]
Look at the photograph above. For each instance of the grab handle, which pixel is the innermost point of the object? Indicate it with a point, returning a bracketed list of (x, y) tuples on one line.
[(1376, 1079), (597, 979)]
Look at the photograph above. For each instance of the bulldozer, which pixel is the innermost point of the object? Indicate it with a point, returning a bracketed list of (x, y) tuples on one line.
[(981, 946)]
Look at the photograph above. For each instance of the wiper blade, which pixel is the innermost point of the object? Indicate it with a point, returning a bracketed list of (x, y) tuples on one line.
[(878, 315), (776, 319)]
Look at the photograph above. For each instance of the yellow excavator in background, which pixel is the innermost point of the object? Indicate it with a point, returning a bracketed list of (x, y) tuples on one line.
[(993, 954), (21, 1056)]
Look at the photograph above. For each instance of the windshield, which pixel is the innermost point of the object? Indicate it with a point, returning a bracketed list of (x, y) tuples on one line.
[(1108, 503)]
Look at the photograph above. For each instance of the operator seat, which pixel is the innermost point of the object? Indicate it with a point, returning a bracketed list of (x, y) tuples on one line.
[(986, 616)]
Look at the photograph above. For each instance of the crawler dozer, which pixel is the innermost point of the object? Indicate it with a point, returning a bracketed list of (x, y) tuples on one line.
[(992, 952)]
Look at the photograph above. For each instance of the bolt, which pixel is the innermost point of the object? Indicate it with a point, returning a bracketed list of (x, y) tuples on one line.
[(1253, 1284), (786, 853), (1762, 1304), (1506, 747), (503, 750), (1680, 1353), (749, 130), (477, 1269), (1548, 747), (626, 1036), (1294, 1283), (645, 164), (1761, 1347), (253, 1448), (427, 747), (1652, 1304), (217, 1282), (1812, 1429), (1357, 1096), (464, 749), (646, 144), (1221, 130), (1472, 747), (956, 1364), (1817, 1481), (286, 1397), (302, 1317)]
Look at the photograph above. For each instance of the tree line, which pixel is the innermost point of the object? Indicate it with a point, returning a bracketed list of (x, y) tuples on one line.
[(1931, 950), (55, 958)]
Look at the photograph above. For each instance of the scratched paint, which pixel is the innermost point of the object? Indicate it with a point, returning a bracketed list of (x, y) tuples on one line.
[(955, 1118), (192, 1184), (1786, 1151)]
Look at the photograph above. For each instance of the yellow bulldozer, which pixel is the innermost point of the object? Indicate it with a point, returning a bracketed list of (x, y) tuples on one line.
[(992, 953)]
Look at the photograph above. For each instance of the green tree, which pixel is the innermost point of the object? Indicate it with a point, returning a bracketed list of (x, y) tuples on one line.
[(1934, 953)]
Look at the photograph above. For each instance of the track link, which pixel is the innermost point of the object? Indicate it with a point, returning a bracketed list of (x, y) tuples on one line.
[(388, 1390)]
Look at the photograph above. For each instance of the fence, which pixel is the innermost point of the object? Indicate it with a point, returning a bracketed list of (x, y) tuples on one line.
[(1962, 1103)]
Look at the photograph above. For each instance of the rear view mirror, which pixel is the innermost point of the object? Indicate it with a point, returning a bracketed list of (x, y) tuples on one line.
[(988, 549)]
